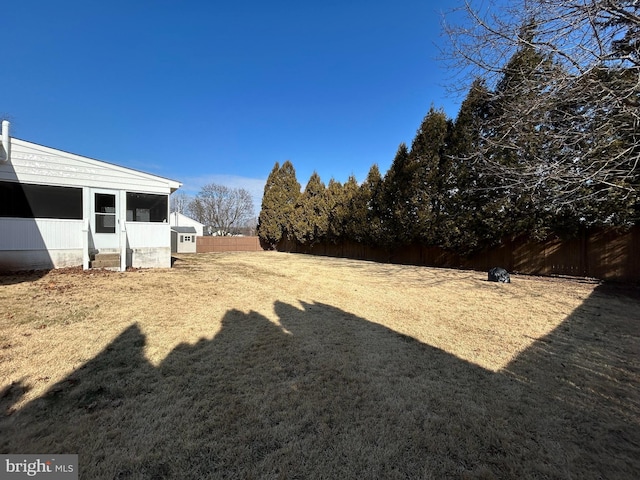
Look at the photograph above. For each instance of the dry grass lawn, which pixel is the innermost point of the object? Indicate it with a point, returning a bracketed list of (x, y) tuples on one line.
[(272, 365)]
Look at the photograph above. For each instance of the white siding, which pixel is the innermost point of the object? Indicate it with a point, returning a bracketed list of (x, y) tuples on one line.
[(40, 234), (184, 246), (27, 244), (33, 163), (143, 234)]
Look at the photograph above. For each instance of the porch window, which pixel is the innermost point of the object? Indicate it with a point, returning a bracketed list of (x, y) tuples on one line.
[(22, 200), (145, 207)]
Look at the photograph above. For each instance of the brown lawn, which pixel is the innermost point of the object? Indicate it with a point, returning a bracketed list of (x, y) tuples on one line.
[(272, 365)]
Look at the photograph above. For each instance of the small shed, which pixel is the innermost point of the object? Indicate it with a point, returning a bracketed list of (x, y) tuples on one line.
[(183, 239), (59, 209)]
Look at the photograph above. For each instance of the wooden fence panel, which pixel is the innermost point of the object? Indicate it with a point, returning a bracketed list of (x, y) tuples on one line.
[(227, 244), (614, 256)]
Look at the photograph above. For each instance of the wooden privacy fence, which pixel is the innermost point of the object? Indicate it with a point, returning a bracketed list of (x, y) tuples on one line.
[(604, 254), (227, 244)]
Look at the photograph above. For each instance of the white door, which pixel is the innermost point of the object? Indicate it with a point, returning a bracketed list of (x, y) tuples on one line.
[(105, 219)]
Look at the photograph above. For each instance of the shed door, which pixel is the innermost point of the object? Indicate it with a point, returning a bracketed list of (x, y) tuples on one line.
[(105, 220)]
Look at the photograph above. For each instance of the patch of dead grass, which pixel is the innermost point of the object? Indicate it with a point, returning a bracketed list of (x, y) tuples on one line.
[(270, 365)]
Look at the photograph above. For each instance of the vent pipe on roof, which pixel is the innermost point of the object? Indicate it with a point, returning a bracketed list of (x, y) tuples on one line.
[(5, 148)]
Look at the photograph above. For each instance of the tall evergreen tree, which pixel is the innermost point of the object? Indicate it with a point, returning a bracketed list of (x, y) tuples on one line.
[(369, 210), (337, 202), (517, 141), (475, 210), (355, 212), (270, 226), (596, 198), (281, 193), (311, 224), (401, 202), (432, 165)]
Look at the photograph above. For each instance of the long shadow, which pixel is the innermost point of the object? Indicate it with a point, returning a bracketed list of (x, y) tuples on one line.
[(10, 278), (22, 246), (327, 394)]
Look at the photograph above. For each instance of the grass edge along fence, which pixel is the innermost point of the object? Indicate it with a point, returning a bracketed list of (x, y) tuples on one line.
[(605, 254)]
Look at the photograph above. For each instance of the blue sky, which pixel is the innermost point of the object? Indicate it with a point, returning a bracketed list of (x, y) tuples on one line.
[(208, 91)]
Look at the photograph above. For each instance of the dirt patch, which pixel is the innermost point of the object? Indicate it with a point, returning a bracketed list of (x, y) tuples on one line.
[(256, 365)]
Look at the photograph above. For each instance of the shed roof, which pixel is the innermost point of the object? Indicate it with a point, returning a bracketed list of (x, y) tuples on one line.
[(184, 229)]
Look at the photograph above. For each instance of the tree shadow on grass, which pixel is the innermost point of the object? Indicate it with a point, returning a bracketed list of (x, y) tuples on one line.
[(327, 394)]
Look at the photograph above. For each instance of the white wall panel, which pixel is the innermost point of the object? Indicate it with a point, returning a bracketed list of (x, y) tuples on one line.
[(143, 234), (40, 234)]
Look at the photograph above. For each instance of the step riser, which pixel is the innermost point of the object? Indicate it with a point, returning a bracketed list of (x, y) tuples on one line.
[(104, 264), (107, 256)]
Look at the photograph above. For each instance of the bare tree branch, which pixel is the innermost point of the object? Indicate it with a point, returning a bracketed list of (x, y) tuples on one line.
[(179, 202), (572, 125)]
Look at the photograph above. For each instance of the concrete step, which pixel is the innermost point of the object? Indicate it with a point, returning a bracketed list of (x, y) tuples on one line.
[(105, 260), (104, 264), (107, 256)]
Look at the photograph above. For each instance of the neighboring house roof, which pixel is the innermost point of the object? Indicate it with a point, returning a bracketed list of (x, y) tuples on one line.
[(184, 229), (177, 218)]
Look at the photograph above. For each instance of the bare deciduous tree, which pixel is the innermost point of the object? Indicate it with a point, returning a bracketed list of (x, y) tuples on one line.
[(222, 208), (584, 107), (179, 202)]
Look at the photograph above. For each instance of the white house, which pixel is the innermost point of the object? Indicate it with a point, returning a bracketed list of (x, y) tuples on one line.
[(58, 209), (177, 219)]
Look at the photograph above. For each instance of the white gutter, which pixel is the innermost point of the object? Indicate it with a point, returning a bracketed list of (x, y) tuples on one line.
[(5, 151)]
